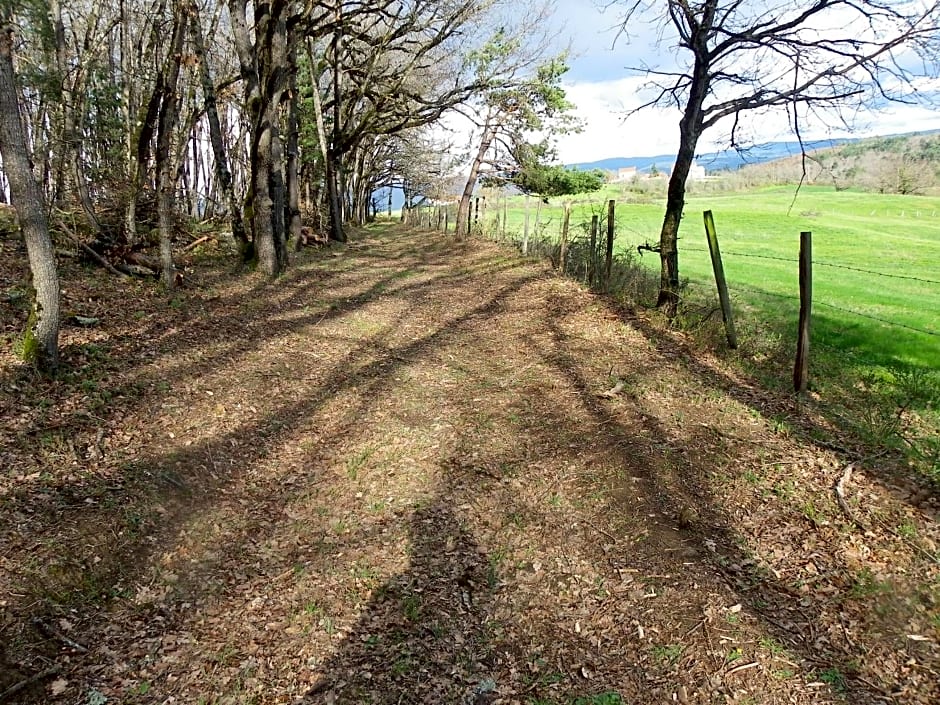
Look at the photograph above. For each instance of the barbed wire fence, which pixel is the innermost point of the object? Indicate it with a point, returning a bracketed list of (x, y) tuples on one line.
[(543, 243), (817, 302)]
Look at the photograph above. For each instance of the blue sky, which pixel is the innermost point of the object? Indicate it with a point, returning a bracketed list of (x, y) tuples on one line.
[(603, 88)]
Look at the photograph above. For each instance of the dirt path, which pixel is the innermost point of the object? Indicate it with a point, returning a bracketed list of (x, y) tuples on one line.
[(395, 477)]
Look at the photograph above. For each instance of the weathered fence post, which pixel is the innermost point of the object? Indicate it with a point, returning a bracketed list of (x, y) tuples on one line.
[(592, 259), (446, 220), (609, 255), (566, 221), (719, 270), (801, 367), (525, 228)]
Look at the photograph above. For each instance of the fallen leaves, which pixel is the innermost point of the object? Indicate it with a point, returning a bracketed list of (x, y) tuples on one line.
[(436, 505)]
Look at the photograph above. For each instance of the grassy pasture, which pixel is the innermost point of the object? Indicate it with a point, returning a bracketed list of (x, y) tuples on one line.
[(759, 236)]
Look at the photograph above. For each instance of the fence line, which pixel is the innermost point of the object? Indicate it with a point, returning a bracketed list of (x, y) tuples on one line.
[(744, 287), (925, 331), (821, 264), (880, 274)]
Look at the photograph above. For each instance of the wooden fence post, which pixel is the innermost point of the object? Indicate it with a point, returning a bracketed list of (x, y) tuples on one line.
[(801, 367), (592, 259), (609, 256), (564, 237), (525, 229), (446, 219), (719, 270)]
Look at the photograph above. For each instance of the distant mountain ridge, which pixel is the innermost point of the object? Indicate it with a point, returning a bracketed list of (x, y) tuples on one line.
[(725, 160)]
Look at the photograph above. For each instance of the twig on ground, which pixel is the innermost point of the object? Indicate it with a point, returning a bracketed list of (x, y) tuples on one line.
[(601, 531), (742, 667), (840, 496), (51, 633), (14, 689), (196, 243)]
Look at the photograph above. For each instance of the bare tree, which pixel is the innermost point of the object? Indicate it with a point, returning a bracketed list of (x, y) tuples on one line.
[(210, 102), (41, 339), (167, 119), (801, 56), (393, 67)]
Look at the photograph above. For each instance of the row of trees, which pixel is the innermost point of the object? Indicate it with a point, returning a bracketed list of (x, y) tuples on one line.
[(121, 115)]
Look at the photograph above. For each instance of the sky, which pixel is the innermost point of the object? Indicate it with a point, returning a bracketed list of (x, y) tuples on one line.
[(600, 83)]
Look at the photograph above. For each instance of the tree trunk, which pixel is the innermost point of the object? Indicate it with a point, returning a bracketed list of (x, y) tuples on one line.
[(167, 121), (292, 212), (141, 159), (142, 130), (265, 70), (336, 223), (248, 68), (68, 114), (336, 208), (334, 157), (690, 127), (463, 209), (40, 345)]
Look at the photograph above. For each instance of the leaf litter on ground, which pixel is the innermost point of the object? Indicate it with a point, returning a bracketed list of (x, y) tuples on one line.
[(433, 472)]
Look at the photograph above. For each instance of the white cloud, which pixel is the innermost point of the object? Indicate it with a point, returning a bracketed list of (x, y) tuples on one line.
[(608, 132)]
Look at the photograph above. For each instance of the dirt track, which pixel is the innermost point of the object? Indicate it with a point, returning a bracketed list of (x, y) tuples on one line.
[(421, 472)]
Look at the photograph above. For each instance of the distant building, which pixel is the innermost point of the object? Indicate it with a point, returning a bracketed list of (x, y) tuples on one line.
[(696, 172), (626, 173)]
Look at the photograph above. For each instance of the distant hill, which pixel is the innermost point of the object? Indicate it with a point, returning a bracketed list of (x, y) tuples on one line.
[(725, 160), (905, 164)]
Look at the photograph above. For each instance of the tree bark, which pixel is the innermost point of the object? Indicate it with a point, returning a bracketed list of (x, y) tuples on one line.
[(142, 132), (41, 339), (69, 115), (265, 69), (463, 209), (334, 156), (167, 121), (690, 128), (292, 212)]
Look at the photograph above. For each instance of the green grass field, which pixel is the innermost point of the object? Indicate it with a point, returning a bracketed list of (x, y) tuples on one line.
[(879, 320)]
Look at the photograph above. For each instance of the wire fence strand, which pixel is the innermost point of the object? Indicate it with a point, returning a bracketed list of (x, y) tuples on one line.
[(790, 297), (820, 263)]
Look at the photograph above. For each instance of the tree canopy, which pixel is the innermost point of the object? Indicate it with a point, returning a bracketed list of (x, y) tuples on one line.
[(554, 180)]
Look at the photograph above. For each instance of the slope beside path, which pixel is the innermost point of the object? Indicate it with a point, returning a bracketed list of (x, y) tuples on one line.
[(422, 471)]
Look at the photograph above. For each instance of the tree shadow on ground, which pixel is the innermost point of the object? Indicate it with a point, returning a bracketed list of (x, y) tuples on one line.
[(423, 637), (158, 496), (681, 485)]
